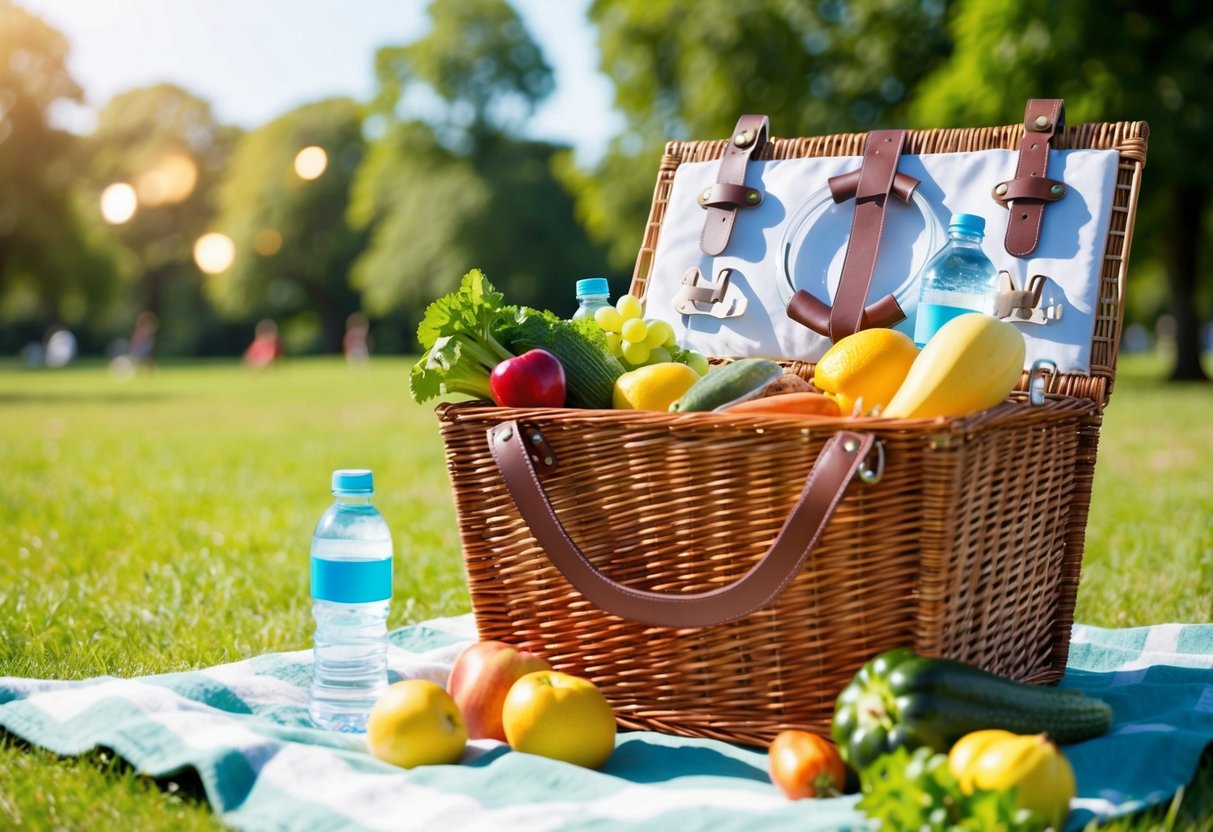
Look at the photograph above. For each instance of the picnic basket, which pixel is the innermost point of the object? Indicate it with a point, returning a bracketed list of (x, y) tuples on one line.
[(962, 537)]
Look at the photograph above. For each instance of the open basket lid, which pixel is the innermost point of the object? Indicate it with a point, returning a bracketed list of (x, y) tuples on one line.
[(796, 230)]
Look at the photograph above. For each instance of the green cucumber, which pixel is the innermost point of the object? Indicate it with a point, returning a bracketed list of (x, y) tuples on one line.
[(900, 699), (728, 384)]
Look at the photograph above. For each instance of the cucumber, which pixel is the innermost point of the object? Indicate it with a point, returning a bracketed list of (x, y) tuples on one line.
[(900, 699), (728, 384)]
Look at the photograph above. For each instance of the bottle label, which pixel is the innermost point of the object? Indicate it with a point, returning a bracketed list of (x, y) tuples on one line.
[(351, 581), (931, 316)]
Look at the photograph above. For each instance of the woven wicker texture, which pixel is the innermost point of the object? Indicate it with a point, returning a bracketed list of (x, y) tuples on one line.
[(969, 546)]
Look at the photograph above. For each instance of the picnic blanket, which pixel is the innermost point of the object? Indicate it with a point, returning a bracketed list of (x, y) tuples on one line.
[(243, 727)]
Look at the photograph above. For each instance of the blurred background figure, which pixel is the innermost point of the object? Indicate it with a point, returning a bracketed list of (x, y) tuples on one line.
[(265, 349), (357, 342), (60, 348), (143, 339)]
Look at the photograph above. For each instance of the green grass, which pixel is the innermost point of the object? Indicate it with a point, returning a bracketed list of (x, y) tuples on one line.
[(163, 523)]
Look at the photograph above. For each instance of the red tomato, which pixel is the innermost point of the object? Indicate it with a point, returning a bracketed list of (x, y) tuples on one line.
[(805, 765)]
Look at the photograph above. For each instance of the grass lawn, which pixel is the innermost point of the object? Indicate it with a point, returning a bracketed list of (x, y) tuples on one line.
[(163, 524)]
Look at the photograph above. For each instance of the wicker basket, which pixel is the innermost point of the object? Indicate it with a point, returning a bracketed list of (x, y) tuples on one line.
[(968, 546)]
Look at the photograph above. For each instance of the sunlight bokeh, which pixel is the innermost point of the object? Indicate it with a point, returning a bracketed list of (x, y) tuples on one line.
[(118, 203), (214, 253), (310, 163)]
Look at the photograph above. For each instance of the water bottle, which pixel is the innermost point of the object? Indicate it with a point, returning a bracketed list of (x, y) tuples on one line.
[(958, 279), (593, 293), (351, 593)]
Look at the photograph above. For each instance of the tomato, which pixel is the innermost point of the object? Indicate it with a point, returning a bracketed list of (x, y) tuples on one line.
[(560, 716), (805, 765), (999, 760)]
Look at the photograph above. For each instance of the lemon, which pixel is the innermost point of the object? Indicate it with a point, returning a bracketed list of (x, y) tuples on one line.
[(416, 723), (654, 387), (869, 365)]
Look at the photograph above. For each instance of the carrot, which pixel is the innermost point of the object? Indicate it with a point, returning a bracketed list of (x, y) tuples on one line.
[(789, 404)]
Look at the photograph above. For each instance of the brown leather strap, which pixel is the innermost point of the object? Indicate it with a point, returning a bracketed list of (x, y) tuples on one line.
[(748, 139), (835, 467), (880, 156), (1043, 119)]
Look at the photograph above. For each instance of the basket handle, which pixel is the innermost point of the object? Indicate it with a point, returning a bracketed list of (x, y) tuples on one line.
[(835, 467)]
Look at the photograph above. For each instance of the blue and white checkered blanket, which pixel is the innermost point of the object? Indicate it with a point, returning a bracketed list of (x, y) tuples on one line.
[(244, 728)]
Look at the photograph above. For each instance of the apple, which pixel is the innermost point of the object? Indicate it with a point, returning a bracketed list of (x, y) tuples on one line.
[(533, 379), (480, 679), (415, 723), (560, 716)]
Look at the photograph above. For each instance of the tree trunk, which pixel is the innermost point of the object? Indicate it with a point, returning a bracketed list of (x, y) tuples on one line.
[(1183, 264)]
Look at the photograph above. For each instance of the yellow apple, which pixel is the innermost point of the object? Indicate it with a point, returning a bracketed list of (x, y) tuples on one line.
[(560, 716), (416, 723)]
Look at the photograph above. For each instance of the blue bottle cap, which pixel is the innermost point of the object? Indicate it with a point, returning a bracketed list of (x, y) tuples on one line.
[(353, 481), (968, 224), (593, 286)]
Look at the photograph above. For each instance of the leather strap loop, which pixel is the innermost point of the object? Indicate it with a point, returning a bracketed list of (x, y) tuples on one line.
[(749, 137), (846, 185), (835, 467), (1043, 119), (1034, 187)]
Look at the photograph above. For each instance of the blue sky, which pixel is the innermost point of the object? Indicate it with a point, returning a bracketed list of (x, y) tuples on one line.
[(254, 59)]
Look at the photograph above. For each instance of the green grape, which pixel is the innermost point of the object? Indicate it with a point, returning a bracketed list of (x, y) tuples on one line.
[(629, 306), (614, 343), (635, 353), (697, 363), (672, 341), (609, 319), (635, 331), (659, 355), (660, 333)]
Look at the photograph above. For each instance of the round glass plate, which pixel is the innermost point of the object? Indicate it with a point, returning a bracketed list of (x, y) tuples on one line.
[(815, 242)]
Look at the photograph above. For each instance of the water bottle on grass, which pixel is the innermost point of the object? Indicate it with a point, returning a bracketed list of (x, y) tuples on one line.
[(351, 593), (959, 279)]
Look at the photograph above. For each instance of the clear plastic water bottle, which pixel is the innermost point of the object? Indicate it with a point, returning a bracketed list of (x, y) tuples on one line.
[(351, 594), (958, 279), (593, 293)]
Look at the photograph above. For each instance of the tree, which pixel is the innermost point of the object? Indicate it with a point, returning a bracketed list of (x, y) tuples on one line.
[(460, 189), (165, 145), (283, 202), (49, 272), (812, 67), (1111, 60)]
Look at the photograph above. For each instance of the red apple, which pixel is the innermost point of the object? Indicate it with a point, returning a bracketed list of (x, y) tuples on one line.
[(533, 379), (481, 677)]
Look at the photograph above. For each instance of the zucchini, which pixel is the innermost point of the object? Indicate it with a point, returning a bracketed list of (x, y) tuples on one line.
[(728, 384), (902, 700)]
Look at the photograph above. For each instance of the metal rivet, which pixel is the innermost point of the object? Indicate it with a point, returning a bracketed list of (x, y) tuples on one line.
[(743, 138), (1057, 190), (752, 197), (505, 434), (851, 446), (1042, 122), (1001, 189), (536, 438), (547, 460), (707, 195)]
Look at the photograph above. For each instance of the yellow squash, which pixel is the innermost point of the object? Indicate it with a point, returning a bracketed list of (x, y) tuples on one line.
[(997, 760), (973, 362)]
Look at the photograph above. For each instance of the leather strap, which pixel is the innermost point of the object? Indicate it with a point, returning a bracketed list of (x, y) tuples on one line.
[(722, 201), (1043, 119), (835, 467), (870, 186)]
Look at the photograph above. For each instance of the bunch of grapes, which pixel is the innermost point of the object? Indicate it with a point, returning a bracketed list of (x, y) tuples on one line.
[(639, 343)]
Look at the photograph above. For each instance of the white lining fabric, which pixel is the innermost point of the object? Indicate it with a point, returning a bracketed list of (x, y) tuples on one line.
[(1070, 253)]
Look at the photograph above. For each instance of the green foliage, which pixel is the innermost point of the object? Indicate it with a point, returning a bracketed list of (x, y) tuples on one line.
[(166, 143), (904, 790), (295, 247), (479, 60), (459, 190), (50, 270)]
